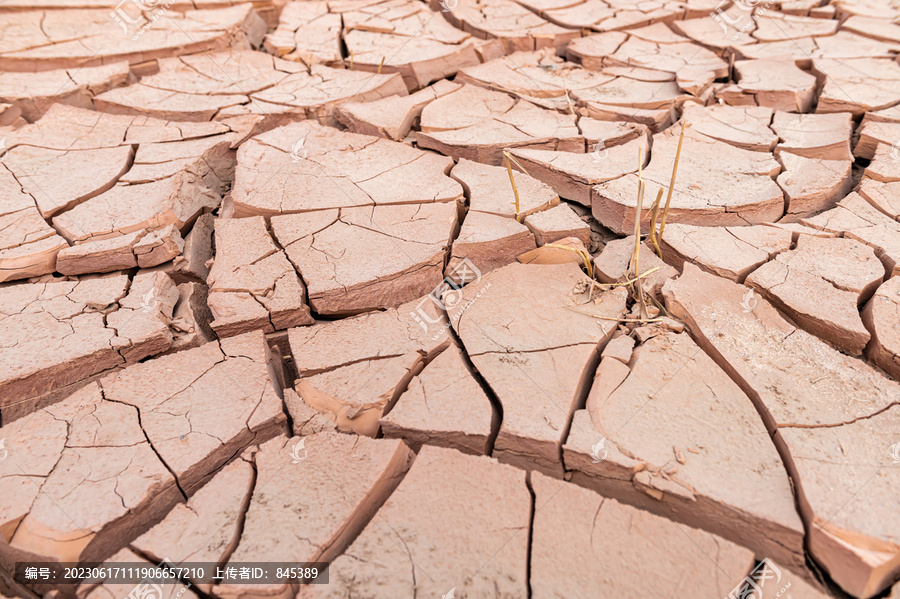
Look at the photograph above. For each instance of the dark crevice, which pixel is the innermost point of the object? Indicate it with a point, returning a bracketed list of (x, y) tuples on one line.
[(275, 364), (149, 443), (425, 358), (582, 391), (496, 405), (530, 544), (242, 517)]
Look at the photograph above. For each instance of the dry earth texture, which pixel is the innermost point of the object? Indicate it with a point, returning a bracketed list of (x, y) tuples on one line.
[(462, 298)]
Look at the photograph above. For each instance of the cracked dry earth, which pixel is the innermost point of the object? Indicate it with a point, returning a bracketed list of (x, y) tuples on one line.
[(267, 294)]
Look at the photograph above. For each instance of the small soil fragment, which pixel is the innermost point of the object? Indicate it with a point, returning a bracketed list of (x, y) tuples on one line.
[(159, 246), (567, 555), (202, 406), (304, 167), (558, 223), (812, 185), (856, 218), (834, 417), (488, 241), (814, 136), (391, 117), (144, 315), (191, 317), (351, 369), (60, 39), (778, 84), (574, 175), (672, 394), (730, 252), (322, 490), (415, 546), (881, 317), (34, 93), (193, 264), (478, 124), (205, 528), (745, 127), (368, 258), (252, 285), (613, 263), (534, 353), (444, 406), (489, 190), (739, 191)]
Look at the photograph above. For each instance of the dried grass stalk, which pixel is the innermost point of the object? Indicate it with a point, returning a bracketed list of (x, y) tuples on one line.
[(512, 180), (635, 256), (654, 213), (662, 227), (585, 257)]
